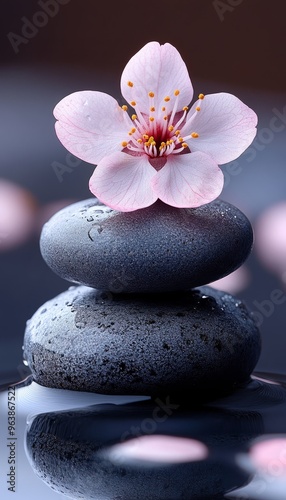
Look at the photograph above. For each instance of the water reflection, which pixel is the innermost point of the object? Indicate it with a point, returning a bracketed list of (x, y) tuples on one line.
[(128, 447), (158, 449), (109, 451), (74, 452)]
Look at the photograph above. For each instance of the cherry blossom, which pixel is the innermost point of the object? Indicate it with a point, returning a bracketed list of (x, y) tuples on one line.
[(161, 149)]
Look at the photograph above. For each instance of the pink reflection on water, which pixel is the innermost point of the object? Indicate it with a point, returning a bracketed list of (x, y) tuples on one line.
[(270, 238), (158, 448), (269, 456), (234, 282), (271, 382), (17, 214)]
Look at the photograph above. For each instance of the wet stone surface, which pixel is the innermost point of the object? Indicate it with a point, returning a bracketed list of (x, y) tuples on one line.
[(194, 344), (157, 249)]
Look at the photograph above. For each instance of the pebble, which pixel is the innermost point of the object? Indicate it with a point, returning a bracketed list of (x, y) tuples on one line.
[(156, 249), (200, 343)]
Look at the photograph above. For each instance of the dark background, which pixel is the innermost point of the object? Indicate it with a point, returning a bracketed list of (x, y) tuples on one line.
[(236, 46)]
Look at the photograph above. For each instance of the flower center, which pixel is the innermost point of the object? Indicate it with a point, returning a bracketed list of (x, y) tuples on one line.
[(158, 134)]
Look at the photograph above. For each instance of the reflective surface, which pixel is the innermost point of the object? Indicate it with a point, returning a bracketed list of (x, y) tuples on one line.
[(90, 446)]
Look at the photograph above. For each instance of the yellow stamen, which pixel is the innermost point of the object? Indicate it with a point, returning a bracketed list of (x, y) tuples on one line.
[(171, 128), (185, 108), (198, 108), (163, 144), (146, 137), (124, 144), (194, 135), (151, 141), (177, 132), (165, 117), (152, 109), (130, 84), (133, 130), (151, 118), (134, 117), (201, 96), (151, 94), (167, 98), (176, 92), (140, 141), (185, 145), (163, 109), (133, 103), (180, 139), (124, 107)]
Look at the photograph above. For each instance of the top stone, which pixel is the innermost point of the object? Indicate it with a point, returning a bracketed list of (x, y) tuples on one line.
[(156, 249)]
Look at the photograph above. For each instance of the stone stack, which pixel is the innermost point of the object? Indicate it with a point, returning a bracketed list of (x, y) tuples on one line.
[(141, 320)]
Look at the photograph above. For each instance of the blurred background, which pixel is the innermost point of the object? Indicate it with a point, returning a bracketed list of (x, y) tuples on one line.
[(50, 48)]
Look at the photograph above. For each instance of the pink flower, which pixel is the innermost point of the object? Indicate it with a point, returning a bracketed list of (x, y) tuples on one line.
[(163, 150)]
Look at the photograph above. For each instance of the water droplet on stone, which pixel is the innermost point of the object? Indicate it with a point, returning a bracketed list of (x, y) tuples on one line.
[(80, 324), (96, 228)]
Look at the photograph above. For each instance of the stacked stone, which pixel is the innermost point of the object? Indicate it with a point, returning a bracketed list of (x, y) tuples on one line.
[(141, 320)]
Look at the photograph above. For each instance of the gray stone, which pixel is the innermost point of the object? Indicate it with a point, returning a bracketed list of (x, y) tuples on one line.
[(195, 344), (156, 249)]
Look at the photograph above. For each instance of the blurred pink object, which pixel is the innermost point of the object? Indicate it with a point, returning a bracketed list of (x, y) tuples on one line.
[(270, 239), (234, 282), (17, 215), (269, 457), (158, 448)]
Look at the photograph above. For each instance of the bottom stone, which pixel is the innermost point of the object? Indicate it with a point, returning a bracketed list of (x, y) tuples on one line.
[(196, 344)]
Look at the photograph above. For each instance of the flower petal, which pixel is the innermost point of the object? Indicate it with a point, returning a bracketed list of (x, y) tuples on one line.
[(188, 180), (159, 69), (123, 182), (91, 125), (225, 125)]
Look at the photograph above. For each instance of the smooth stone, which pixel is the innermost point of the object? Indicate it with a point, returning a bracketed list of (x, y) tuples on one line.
[(157, 249), (194, 344)]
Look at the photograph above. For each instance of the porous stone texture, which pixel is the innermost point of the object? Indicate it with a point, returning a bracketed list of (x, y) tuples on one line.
[(197, 343), (156, 249)]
